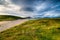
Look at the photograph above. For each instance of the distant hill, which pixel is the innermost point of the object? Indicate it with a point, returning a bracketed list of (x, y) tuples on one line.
[(39, 29), (9, 17)]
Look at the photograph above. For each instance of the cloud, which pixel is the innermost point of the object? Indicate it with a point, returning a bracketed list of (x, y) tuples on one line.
[(11, 9), (33, 8)]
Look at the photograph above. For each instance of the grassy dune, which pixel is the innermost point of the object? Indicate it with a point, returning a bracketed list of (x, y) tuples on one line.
[(41, 29), (8, 17)]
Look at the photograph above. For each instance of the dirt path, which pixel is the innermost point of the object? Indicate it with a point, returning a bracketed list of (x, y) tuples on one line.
[(8, 24)]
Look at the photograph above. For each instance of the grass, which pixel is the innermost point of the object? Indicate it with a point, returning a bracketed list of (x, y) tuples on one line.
[(8, 17), (41, 29)]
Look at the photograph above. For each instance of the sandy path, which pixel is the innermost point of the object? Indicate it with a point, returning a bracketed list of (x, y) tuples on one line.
[(3, 22), (8, 24)]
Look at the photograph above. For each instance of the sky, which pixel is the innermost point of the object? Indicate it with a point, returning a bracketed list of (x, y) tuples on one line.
[(30, 8)]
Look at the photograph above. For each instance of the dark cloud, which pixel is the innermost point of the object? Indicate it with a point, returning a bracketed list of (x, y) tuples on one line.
[(2, 2), (37, 6), (30, 9), (28, 5)]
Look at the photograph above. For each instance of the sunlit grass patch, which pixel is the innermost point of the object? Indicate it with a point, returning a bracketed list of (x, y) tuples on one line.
[(41, 29)]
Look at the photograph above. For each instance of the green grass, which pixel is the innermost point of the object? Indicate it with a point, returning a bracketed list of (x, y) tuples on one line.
[(8, 17), (41, 29)]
